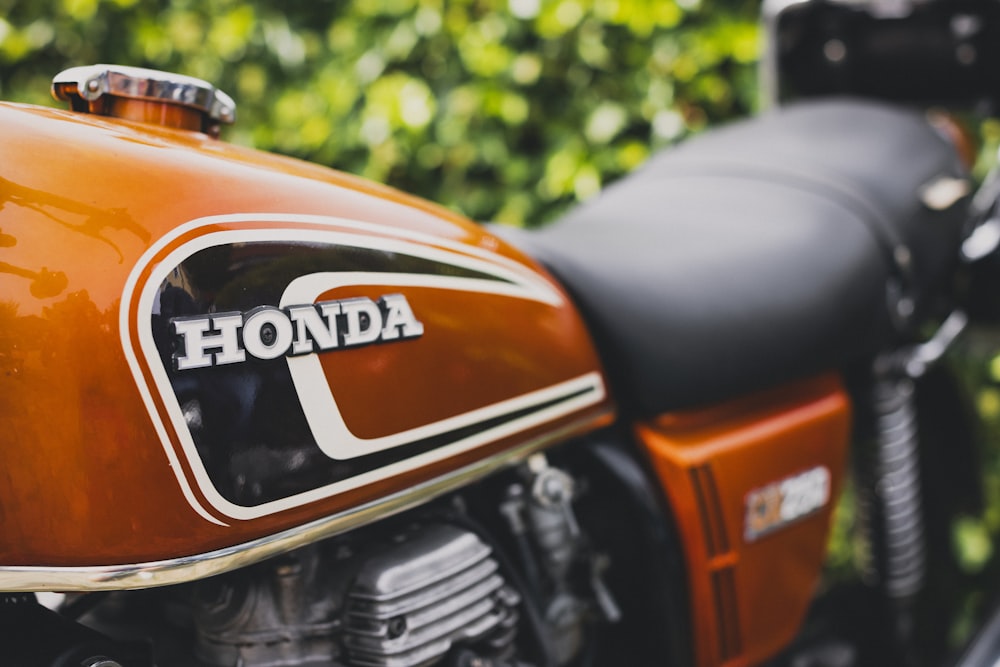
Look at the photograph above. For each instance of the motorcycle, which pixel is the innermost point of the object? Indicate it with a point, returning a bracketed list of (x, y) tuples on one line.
[(261, 413)]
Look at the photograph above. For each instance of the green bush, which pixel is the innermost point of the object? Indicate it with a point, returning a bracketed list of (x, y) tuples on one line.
[(504, 110)]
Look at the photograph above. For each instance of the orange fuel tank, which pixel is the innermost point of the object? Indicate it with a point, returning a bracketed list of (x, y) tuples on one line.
[(206, 351)]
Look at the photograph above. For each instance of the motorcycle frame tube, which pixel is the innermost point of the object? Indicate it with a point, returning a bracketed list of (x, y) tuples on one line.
[(665, 584), (984, 648), (191, 568)]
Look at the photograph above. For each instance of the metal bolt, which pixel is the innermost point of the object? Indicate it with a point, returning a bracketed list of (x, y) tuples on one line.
[(396, 627), (905, 307), (902, 256), (554, 489), (835, 51), (91, 90)]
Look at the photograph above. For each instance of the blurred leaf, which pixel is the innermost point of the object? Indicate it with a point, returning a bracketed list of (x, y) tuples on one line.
[(973, 544)]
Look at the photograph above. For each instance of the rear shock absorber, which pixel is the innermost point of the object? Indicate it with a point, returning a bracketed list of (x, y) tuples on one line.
[(892, 502), (890, 510), (897, 475)]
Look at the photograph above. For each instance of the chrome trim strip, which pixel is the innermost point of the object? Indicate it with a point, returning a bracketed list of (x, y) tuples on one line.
[(190, 568)]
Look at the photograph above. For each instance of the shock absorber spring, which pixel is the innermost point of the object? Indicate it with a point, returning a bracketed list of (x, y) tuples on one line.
[(891, 512), (897, 488)]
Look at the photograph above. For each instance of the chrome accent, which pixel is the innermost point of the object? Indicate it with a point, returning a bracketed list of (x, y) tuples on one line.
[(944, 192), (982, 242), (921, 357), (553, 489), (94, 81), (914, 361), (191, 568), (413, 601), (984, 238)]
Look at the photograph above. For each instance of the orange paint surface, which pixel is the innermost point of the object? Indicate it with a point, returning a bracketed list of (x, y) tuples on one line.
[(81, 200)]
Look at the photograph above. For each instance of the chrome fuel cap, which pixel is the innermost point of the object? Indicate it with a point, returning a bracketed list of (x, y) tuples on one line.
[(146, 95)]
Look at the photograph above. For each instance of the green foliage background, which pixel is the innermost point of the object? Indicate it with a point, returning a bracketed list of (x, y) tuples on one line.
[(504, 110)]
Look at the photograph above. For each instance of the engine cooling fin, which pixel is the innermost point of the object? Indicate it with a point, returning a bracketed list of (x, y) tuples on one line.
[(410, 604)]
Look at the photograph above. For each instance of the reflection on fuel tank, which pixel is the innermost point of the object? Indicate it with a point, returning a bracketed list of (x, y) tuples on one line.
[(94, 220)]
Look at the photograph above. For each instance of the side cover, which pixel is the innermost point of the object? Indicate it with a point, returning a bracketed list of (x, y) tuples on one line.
[(209, 355), (752, 483)]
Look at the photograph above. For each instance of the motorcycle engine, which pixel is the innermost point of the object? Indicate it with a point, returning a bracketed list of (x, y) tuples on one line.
[(401, 603), (431, 587)]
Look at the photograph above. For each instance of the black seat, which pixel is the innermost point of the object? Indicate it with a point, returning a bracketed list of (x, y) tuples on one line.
[(760, 252)]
